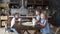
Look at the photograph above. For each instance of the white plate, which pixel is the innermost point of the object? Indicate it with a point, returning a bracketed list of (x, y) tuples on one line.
[(27, 24)]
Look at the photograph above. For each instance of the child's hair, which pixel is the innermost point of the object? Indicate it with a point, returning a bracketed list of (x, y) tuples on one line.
[(16, 14), (44, 14), (38, 10)]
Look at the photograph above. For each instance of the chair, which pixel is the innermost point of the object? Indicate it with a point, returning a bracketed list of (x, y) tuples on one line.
[(52, 27), (58, 28), (7, 26)]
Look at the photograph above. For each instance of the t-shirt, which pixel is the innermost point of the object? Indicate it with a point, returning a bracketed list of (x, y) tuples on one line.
[(13, 22)]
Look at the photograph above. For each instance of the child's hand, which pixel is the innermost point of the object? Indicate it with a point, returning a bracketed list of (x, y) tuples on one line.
[(38, 23)]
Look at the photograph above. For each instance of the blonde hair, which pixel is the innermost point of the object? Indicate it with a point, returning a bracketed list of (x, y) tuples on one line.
[(45, 15)]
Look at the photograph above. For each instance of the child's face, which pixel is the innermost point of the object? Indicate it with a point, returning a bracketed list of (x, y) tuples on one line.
[(16, 16), (42, 16), (37, 13)]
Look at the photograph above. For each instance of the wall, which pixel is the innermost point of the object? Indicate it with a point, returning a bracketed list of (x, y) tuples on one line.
[(55, 4), (5, 0), (21, 11)]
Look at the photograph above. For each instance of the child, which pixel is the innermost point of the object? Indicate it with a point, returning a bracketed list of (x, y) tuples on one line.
[(15, 18), (38, 15), (44, 23), (15, 23)]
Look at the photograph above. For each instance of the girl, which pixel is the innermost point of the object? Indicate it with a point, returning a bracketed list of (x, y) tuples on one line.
[(38, 14), (44, 23)]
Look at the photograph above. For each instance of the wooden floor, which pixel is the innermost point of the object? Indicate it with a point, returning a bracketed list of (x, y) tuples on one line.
[(2, 31)]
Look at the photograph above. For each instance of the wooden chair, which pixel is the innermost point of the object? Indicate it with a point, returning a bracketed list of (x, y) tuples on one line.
[(7, 24), (57, 29), (51, 28)]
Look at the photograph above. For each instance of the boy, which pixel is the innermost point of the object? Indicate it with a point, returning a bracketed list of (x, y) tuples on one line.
[(15, 23)]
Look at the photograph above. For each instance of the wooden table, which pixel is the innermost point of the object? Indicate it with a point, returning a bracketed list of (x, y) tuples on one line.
[(26, 28)]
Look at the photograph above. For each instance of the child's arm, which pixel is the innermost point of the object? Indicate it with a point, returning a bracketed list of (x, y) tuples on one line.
[(12, 22), (44, 23)]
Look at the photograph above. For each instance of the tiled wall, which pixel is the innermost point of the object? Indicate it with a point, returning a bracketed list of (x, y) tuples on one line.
[(24, 12)]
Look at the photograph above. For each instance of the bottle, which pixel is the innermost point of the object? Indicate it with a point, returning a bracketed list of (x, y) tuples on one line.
[(33, 21)]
